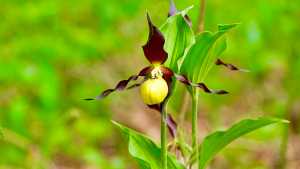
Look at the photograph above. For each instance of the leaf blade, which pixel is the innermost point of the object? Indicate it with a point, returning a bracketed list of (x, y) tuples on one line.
[(145, 151), (179, 37), (197, 62), (216, 141)]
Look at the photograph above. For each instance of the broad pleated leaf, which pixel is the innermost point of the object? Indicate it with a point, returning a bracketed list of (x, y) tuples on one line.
[(216, 141), (220, 47), (178, 37), (199, 59), (145, 151)]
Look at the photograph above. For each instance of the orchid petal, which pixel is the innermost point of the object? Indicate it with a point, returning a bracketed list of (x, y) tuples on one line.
[(219, 62), (123, 84), (134, 86), (183, 79), (167, 73)]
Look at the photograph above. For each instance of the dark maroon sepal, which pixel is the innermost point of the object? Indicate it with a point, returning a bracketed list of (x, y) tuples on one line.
[(229, 66), (183, 79), (171, 123), (154, 48), (123, 84)]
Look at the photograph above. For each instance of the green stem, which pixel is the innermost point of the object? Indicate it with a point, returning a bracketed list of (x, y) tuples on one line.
[(282, 161), (163, 137), (283, 147), (195, 97)]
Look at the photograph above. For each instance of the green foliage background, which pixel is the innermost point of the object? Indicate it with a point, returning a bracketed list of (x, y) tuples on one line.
[(54, 53)]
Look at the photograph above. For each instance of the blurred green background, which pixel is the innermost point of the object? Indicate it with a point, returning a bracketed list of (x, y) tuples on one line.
[(53, 53)]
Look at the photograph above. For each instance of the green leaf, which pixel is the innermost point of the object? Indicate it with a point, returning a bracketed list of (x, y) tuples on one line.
[(216, 141), (198, 61), (145, 151), (220, 47), (179, 37)]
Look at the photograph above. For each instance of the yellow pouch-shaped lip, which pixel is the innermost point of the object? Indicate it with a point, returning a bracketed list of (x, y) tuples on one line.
[(154, 91)]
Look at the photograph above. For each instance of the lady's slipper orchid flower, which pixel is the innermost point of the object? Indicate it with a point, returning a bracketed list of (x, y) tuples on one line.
[(156, 76), (157, 84)]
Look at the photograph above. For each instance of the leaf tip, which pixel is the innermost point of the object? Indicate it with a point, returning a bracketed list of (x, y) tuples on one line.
[(227, 27), (277, 120), (285, 121), (115, 123)]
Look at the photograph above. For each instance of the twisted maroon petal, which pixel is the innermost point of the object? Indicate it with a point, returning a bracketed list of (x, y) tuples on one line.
[(134, 86), (145, 71), (123, 84), (229, 66), (183, 79), (167, 73), (154, 48)]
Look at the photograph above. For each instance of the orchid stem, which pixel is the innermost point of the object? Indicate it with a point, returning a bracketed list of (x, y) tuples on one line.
[(163, 137), (195, 97), (283, 147), (195, 94)]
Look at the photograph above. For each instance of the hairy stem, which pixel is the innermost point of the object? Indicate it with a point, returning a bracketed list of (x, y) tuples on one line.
[(163, 137), (201, 18), (195, 97)]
